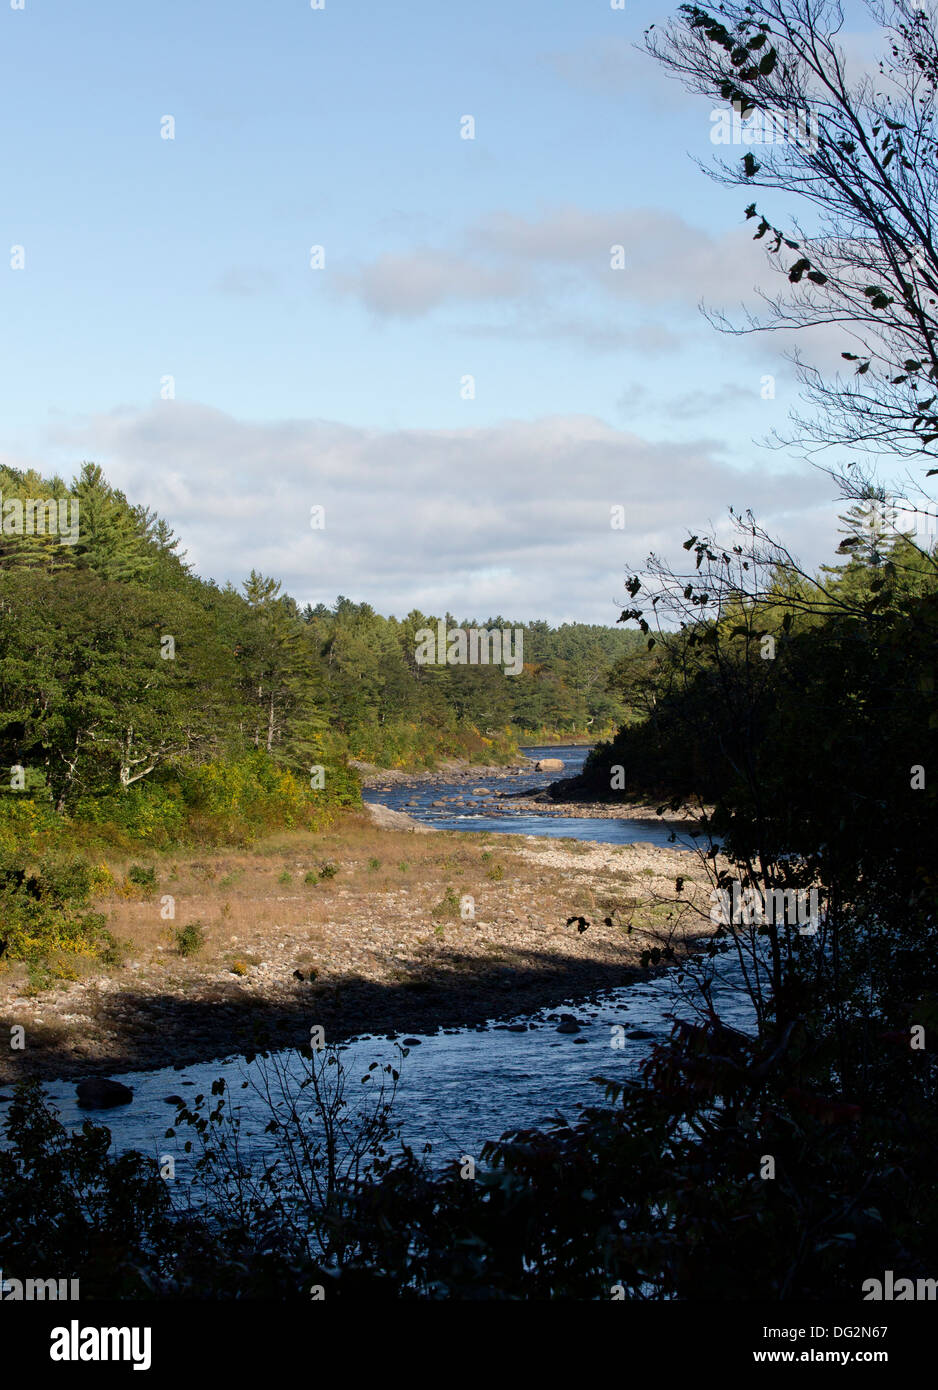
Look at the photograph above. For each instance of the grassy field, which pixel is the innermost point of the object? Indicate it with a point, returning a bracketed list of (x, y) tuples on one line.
[(368, 926)]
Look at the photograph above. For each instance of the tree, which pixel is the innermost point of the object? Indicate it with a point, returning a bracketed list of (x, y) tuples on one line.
[(88, 695), (866, 164)]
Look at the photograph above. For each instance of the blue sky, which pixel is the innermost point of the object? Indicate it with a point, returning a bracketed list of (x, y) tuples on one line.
[(444, 257)]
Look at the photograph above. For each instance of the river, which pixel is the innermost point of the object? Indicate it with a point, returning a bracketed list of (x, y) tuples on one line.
[(462, 1086), (423, 803)]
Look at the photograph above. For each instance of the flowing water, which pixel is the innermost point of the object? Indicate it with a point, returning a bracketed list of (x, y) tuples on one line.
[(454, 805), (459, 1087), (462, 1086)]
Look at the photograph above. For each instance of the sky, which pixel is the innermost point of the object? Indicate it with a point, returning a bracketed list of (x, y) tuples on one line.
[(319, 294)]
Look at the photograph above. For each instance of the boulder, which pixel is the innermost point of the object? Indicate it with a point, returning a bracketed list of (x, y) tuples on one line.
[(386, 819), (549, 765), (100, 1093)]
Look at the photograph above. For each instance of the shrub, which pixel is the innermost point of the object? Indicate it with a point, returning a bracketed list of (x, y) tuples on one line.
[(190, 939), (328, 870), (448, 906), (141, 877), (111, 951), (311, 878), (43, 907)]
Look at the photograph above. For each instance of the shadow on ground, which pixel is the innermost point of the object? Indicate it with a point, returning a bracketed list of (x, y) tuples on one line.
[(153, 1031)]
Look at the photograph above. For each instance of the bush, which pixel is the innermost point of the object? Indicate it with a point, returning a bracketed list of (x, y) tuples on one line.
[(328, 870), (190, 939), (43, 907), (448, 906), (110, 950), (142, 878)]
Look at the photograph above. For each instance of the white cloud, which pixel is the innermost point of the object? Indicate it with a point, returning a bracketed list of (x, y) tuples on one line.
[(410, 285), (514, 518), (564, 256)]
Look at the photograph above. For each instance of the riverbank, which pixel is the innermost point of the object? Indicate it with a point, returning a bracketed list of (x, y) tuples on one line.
[(576, 806), (378, 946), (474, 788), (446, 771)]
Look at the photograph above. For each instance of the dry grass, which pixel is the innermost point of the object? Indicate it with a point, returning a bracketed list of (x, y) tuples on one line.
[(354, 945), (389, 910)]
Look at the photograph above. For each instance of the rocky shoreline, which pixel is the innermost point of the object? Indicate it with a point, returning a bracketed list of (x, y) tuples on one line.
[(567, 798), (447, 771), (371, 957)]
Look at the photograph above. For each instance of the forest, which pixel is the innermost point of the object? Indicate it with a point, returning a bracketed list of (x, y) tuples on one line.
[(792, 709), (122, 672)]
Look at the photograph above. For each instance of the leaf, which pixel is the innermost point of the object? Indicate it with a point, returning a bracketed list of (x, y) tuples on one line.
[(750, 167), (768, 62)]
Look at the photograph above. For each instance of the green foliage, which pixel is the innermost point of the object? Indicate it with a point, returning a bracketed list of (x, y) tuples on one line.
[(142, 877), (328, 870), (190, 939), (448, 906), (44, 907), (111, 951)]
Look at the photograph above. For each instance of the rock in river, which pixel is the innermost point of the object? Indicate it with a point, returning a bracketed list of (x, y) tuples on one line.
[(99, 1093)]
